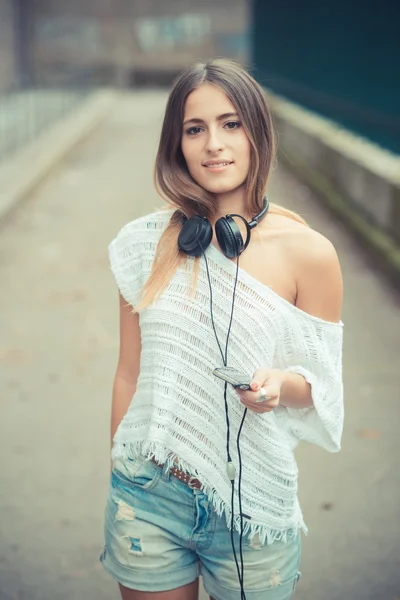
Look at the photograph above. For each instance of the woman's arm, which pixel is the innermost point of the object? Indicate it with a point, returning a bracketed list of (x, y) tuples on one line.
[(319, 293), (128, 367), (319, 278)]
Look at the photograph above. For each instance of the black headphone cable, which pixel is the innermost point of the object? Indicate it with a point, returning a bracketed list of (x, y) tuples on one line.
[(240, 571)]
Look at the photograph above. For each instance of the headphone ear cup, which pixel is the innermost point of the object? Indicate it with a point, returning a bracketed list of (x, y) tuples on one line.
[(229, 237), (195, 236)]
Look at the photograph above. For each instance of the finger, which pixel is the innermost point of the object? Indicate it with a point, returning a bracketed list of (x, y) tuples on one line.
[(271, 390), (267, 394), (267, 403), (270, 403), (259, 377), (257, 408), (264, 394), (249, 396), (261, 406)]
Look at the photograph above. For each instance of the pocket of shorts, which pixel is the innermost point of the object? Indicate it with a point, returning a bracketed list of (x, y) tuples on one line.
[(144, 475), (296, 581)]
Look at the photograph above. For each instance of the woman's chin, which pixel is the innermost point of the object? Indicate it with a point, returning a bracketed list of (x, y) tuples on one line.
[(220, 189)]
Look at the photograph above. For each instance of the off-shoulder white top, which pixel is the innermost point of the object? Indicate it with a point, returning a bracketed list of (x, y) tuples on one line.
[(178, 406)]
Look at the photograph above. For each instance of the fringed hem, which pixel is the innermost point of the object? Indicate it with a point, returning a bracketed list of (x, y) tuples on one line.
[(164, 456)]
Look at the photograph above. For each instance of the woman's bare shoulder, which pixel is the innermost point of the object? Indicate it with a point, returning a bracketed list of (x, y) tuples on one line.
[(307, 243), (316, 267)]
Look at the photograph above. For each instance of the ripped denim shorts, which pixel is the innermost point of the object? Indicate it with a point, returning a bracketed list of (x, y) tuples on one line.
[(160, 534)]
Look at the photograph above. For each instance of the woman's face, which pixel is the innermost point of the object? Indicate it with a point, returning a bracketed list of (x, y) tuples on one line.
[(214, 143)]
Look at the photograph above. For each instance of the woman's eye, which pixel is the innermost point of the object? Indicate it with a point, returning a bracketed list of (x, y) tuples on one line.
[(232, 124), (229, 125), (193, 130)]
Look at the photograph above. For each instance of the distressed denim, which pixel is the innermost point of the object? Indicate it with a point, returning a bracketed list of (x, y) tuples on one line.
[(160, 534)]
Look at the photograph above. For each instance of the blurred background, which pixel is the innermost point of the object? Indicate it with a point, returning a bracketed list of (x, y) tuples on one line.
[(83, 87), (338, 59)]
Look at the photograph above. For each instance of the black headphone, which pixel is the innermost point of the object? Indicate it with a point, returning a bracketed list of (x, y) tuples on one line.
[(196, 233)]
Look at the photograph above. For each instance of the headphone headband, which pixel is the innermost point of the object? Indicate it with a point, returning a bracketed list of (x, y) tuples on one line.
[(255, 220)]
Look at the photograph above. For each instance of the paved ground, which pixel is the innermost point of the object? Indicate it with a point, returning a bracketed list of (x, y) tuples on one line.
[(58, 350)]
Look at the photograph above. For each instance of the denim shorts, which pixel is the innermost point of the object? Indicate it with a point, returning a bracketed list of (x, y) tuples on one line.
[(160, 534)]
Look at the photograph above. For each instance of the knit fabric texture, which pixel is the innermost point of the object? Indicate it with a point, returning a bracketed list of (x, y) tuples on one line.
[(178, 407)]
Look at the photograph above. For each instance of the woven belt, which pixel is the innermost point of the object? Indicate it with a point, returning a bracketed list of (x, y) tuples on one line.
[(192, 482)]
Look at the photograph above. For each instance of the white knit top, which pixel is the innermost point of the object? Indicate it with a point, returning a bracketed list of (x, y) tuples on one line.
[(178, 407)]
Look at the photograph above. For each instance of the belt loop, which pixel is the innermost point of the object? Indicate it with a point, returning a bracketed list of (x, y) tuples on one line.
[(193, 483), (165, 471)]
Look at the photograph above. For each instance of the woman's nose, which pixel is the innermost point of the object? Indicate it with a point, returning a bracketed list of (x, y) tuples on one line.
[(214, 142)]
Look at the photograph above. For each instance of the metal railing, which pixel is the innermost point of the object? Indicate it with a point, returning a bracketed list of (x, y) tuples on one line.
[(27, 113)]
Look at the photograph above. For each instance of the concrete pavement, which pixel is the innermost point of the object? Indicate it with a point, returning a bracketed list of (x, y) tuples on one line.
[(58, 351)]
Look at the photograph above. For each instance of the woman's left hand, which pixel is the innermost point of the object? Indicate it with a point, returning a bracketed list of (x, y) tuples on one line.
[(266, 383)]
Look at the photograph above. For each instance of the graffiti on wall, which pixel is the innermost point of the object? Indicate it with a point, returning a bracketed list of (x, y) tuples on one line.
[(168, 33), (68, 34)]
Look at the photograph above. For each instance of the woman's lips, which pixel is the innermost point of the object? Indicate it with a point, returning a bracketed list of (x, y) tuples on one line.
[(217, 167)]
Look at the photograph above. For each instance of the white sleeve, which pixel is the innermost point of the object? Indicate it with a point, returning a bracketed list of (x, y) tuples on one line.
[(314, 350), (125, 254)]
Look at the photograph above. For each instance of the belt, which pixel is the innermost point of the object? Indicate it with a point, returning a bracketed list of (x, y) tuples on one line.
[(192, 482)]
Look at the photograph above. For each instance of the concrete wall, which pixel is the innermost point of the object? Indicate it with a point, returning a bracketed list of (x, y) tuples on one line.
[(359, 181)]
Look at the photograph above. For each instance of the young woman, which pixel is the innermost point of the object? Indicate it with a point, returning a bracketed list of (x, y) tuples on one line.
[(204, 479)]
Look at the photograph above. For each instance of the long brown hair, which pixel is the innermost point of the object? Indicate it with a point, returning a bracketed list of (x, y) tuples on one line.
[(172, 178)]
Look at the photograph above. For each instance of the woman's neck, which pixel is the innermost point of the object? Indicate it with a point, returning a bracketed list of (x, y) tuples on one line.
[(232, 202)]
